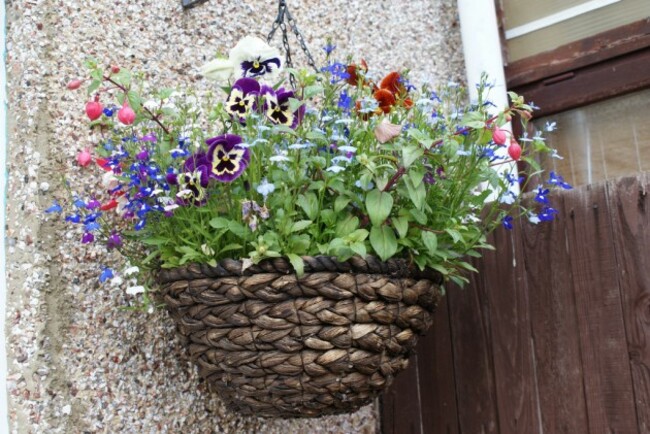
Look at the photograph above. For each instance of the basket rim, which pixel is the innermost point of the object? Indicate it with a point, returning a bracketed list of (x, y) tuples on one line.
[(393, 267)]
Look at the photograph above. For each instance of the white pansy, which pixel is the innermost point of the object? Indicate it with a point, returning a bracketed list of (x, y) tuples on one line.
[(250, 51)]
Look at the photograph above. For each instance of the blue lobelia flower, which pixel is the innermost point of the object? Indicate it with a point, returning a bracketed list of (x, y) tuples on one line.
[(541, 195), (55, 208), (106, 274), (555, 179), (547, 214), (507, 222)]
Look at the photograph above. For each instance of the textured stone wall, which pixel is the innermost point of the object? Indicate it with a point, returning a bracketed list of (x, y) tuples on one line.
[(77, 362)]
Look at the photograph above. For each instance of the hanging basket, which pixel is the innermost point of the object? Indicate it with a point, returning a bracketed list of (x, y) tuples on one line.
[(329, 342)]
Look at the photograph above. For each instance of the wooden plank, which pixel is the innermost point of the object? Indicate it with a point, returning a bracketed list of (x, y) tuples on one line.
[(630, 210), (473, 368), (436, 376), (607, 377), (556, 349), (593, 83), (400, 404), (584, 52), (507, 292)]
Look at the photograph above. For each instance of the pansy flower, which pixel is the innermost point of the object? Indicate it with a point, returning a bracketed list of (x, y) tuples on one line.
[(194, 179), (251, 57), (278, 109), (228, 159), (242, 98)]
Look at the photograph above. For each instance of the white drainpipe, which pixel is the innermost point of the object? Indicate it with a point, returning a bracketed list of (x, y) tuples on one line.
[(482, 49), (4, 419)]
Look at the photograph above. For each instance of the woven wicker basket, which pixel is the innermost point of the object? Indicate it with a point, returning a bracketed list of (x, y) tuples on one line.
[(275, 345)]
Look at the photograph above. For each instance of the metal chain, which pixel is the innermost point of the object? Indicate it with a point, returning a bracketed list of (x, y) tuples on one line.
[(301, 40), (284, 17)]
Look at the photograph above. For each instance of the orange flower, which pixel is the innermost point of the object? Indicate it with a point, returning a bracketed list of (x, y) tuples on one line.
[(385, 98), (392, 82), (355, 78)]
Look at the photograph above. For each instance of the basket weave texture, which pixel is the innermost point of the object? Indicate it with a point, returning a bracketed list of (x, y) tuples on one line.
[(329, 342)]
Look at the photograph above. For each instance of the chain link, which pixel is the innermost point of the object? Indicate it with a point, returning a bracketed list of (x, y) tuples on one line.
[(284, 17)]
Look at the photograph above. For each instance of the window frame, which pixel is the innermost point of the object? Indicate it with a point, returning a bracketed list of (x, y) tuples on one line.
[(593, 69)]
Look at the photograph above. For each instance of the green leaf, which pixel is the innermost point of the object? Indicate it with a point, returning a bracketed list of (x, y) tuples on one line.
[(359, 249), (383, 241), (421, 137), (340, 203), (155, 241), (410, 154), (123, 77), (219, 222), (455, 235), (309, 204), (402, 225), (312, 90), (297, 263), (94, 85), (300, 225), (357, 236), (230, 247), (134, 100), (238, 229), (430, 241), (378, 205), (419, 216), (347, 226), (294, 104), (417, 194)]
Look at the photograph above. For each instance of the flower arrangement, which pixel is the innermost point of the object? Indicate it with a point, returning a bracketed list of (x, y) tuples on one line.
[(344, 164)]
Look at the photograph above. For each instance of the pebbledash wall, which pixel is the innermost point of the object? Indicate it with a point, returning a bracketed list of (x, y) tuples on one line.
[(77, 363)]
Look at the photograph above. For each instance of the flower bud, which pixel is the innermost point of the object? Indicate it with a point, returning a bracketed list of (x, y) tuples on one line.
[(115, 69), (514, 150), (84, 158), (499, 136), (126, 115), (74, 84), (94, 110)]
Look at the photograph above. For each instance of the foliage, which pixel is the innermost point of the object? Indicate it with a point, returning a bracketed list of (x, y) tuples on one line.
[(341, 165)]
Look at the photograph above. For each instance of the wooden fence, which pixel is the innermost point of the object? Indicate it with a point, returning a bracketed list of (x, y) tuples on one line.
[(553, 335)]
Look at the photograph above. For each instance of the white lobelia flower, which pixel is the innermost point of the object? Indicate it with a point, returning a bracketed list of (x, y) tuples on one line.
[(251, 57)]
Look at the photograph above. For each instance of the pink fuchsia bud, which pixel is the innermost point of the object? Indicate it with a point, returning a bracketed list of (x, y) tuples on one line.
[(514, 150), (94, 110), (84, 158), (74, 84), (499, 136), (115, 69), (126, 115)]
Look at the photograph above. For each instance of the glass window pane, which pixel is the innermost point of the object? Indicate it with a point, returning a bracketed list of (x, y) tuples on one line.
[(601, 141), (600, 16)]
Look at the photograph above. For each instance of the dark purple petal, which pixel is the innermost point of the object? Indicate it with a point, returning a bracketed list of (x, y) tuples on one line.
[(228, 141), (172, 178), (196, 161), (247, 85)]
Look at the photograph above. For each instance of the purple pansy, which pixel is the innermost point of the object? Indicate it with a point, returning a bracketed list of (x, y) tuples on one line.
[(277, 108), (243, 98), (227, 159), (193, 180)]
